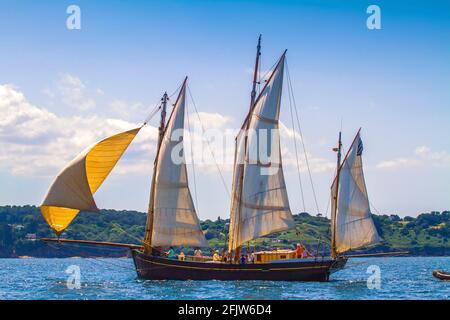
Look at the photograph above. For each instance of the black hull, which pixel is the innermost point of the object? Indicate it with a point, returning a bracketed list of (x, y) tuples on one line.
[(158, 268)]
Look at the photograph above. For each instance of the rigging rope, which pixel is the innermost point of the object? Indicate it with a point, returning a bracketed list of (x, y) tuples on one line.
[(376, 210), (176, 91), (158, 106), (209, 146), (153, 113), (301, 136), (193, 163), (267, 72), (115, 225), (296, 153), (259, 76)]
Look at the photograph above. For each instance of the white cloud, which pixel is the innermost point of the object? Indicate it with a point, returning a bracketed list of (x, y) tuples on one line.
[(397, 163), (73, 93), (439, 158), (126, 110), (422, 156), (35, 141)]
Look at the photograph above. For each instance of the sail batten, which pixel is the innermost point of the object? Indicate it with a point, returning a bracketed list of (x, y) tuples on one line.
[(353, 224), (73, 189), (174, 218), (260, 204)]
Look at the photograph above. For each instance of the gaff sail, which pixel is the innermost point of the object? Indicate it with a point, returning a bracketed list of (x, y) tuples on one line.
[(75, 185), (353, 224), (174, 218), (260, 204)]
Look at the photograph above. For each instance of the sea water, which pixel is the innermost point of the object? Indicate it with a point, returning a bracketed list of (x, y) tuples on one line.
[(363, 278)]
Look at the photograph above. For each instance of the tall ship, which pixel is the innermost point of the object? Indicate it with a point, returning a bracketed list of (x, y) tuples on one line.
[(259, 200)]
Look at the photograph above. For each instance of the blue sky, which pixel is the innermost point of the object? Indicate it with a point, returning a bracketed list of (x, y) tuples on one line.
[(63, 89)]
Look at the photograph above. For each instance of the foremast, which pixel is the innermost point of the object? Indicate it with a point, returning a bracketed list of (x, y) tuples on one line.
[(150, 215), (172, 218)]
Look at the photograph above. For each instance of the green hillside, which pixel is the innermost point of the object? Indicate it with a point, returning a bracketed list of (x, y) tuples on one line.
[(22, 226)]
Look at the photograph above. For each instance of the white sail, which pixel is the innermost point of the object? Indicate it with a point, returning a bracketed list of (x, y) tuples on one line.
[(353, 224), (175, 221), (75, 185), (260, 203)]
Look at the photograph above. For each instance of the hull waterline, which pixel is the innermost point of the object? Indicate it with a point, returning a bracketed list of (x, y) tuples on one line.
[(158, 268)]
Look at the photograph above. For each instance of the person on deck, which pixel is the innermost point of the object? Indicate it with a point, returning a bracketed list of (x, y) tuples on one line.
[(198, 254), (250, 257), (216, 257), (224, 256), (181, 256), (306, 253), (243, 260), (299, 251), (171, 253)]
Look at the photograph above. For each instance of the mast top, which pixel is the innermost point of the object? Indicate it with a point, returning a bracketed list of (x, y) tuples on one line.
[(255, 73)]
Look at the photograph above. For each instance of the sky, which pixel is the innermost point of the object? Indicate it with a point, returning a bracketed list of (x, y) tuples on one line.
[(61, 90)]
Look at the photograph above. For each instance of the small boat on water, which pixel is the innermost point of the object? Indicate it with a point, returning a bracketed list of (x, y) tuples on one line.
[(259, 200), (442, 275)]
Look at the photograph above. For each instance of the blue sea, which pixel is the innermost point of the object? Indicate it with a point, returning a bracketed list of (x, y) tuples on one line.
[(389, 278)]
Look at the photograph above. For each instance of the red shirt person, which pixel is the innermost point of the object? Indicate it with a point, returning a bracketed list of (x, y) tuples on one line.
[(299, 251)]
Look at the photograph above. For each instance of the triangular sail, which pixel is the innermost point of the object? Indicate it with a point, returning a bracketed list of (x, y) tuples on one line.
[(175, 221), (353, 224), (260, 204), (73, 188)]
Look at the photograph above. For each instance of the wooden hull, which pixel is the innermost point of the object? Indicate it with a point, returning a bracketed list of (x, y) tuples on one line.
[(441, 275), (158, 268)]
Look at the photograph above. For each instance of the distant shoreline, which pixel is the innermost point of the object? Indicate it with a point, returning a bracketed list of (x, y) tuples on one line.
[(21, 227)]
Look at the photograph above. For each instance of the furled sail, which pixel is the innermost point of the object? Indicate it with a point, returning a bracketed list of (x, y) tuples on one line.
[(260, 204), (353, 224), (73, 188), (175, 220)]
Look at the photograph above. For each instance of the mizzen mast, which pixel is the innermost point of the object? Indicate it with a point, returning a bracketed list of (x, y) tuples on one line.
[(335, 197)]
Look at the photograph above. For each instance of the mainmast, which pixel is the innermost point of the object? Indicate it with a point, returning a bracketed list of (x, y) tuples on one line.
[(149, 225), (335, 198), (255, 73), (237, 252)]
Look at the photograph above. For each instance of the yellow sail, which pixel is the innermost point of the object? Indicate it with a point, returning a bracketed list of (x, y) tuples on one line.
[(73, 188)]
